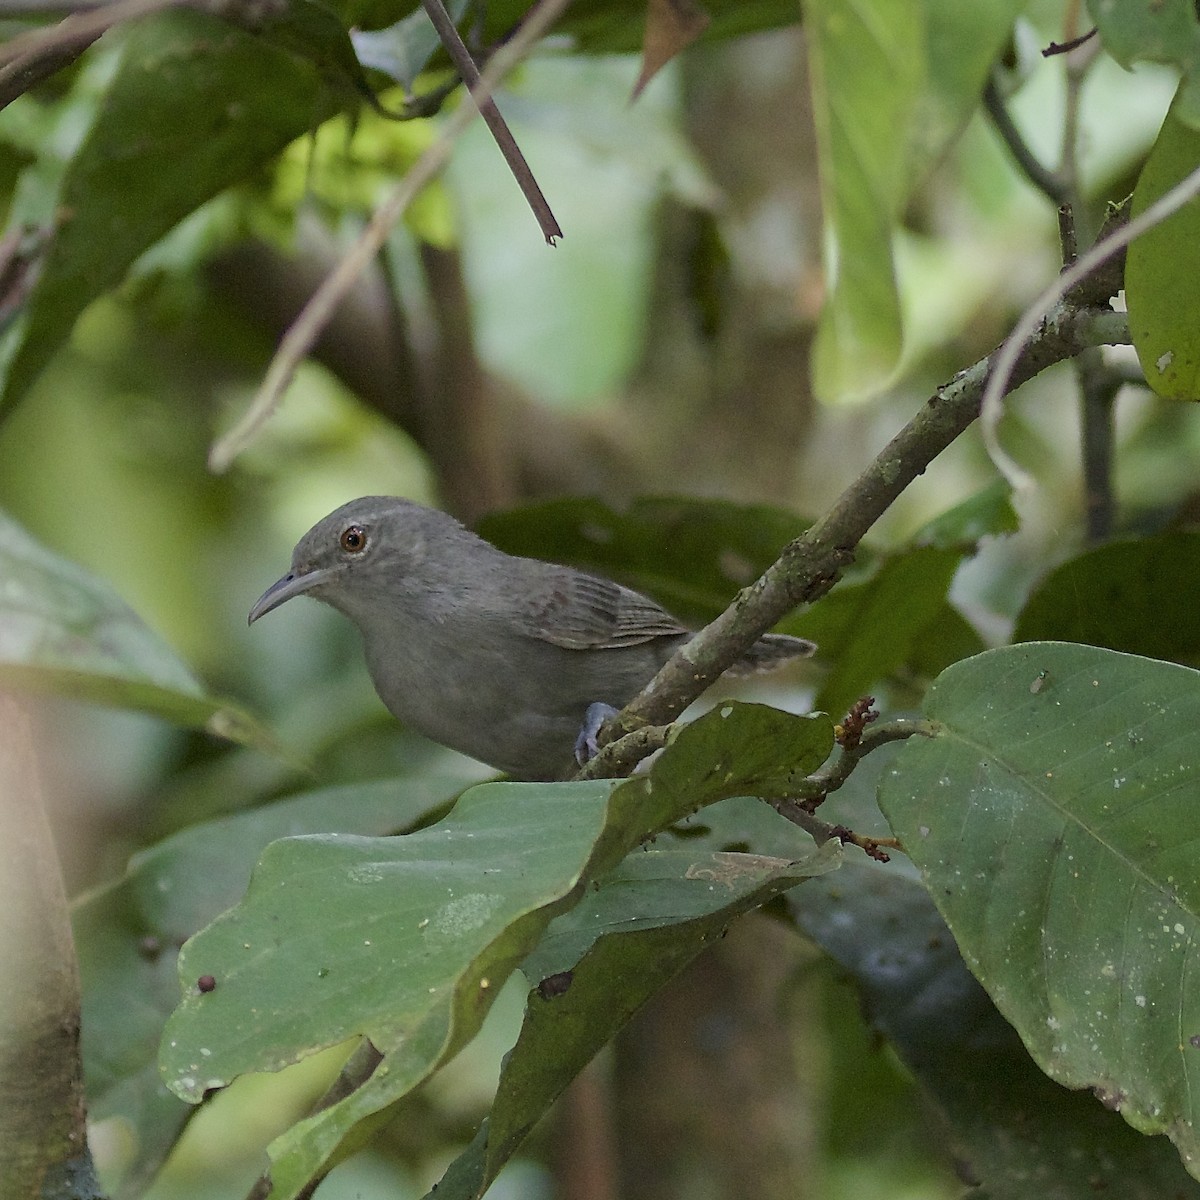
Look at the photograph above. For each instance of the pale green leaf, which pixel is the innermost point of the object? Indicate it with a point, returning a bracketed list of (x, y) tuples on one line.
[(1161, 268), (67, 632)]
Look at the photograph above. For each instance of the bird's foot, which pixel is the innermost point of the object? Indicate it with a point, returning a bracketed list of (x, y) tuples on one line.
[(586, 745)]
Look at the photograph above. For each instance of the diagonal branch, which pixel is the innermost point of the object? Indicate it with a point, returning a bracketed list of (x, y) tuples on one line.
[(809, 566)]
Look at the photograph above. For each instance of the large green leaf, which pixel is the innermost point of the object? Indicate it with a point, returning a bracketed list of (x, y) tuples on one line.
[(406, 940), (65, 631), (194, 106), (1135, 596), (128, 936), (1020, 1134), (1054, 816), (1161, 266), (644, 922)]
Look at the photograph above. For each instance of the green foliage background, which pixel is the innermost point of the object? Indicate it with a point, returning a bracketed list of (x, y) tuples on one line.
[(164, 191)]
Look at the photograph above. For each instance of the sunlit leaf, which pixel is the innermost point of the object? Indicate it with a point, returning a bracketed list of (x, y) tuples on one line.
[(67, 632), (1161, 267), (196, 104), (893, 83)]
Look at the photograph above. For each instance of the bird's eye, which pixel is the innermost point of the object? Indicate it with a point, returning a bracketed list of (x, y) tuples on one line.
[(353, 539)]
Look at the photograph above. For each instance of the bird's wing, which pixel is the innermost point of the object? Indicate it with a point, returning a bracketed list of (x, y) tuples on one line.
[(581, 612)]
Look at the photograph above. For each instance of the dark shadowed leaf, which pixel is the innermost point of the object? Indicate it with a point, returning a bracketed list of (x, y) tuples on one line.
[(1018, 1133), (1137, 596), (691, 555), (892, 620)]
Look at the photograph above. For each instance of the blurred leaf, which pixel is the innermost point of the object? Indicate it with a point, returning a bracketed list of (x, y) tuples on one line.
[(646, 920), (1021, 1134), (872, 629), (407, 940), (1161, 267), (946, 639), (868, 65), (314, 31), (892, 82), (962, 44), (691, 555), (1167, 31), (128, 936), (1136, 596), (65, 631), (403, 50), (195, 105), (986, 514), (671, 27), (1054, 819)]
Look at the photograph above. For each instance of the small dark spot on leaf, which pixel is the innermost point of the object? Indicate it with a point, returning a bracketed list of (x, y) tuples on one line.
[(206, 983), (150, 947), (555, 985)]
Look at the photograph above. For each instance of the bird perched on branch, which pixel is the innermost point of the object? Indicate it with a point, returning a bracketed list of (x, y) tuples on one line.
[(510, 660)]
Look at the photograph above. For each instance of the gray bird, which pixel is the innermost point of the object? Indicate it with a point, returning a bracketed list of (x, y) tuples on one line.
[(505, 659)]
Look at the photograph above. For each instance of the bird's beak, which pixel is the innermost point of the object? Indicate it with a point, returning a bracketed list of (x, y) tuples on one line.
[(294, 583)]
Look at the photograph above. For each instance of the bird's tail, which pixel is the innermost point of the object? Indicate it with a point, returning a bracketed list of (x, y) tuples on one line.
[(770, 651)]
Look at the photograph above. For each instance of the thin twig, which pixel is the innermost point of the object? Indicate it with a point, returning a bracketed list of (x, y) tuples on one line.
[(465, 65), (1097, 386), (822, 831), (1046, 181), (305, 330), (1006, 359), (1066, 47), (812, 791), (84, 26)]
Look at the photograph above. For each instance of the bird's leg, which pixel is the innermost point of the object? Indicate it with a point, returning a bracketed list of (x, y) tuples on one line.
[(586, 745)]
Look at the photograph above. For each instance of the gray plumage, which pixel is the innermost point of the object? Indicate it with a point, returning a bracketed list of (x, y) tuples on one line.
[(493, 655)]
